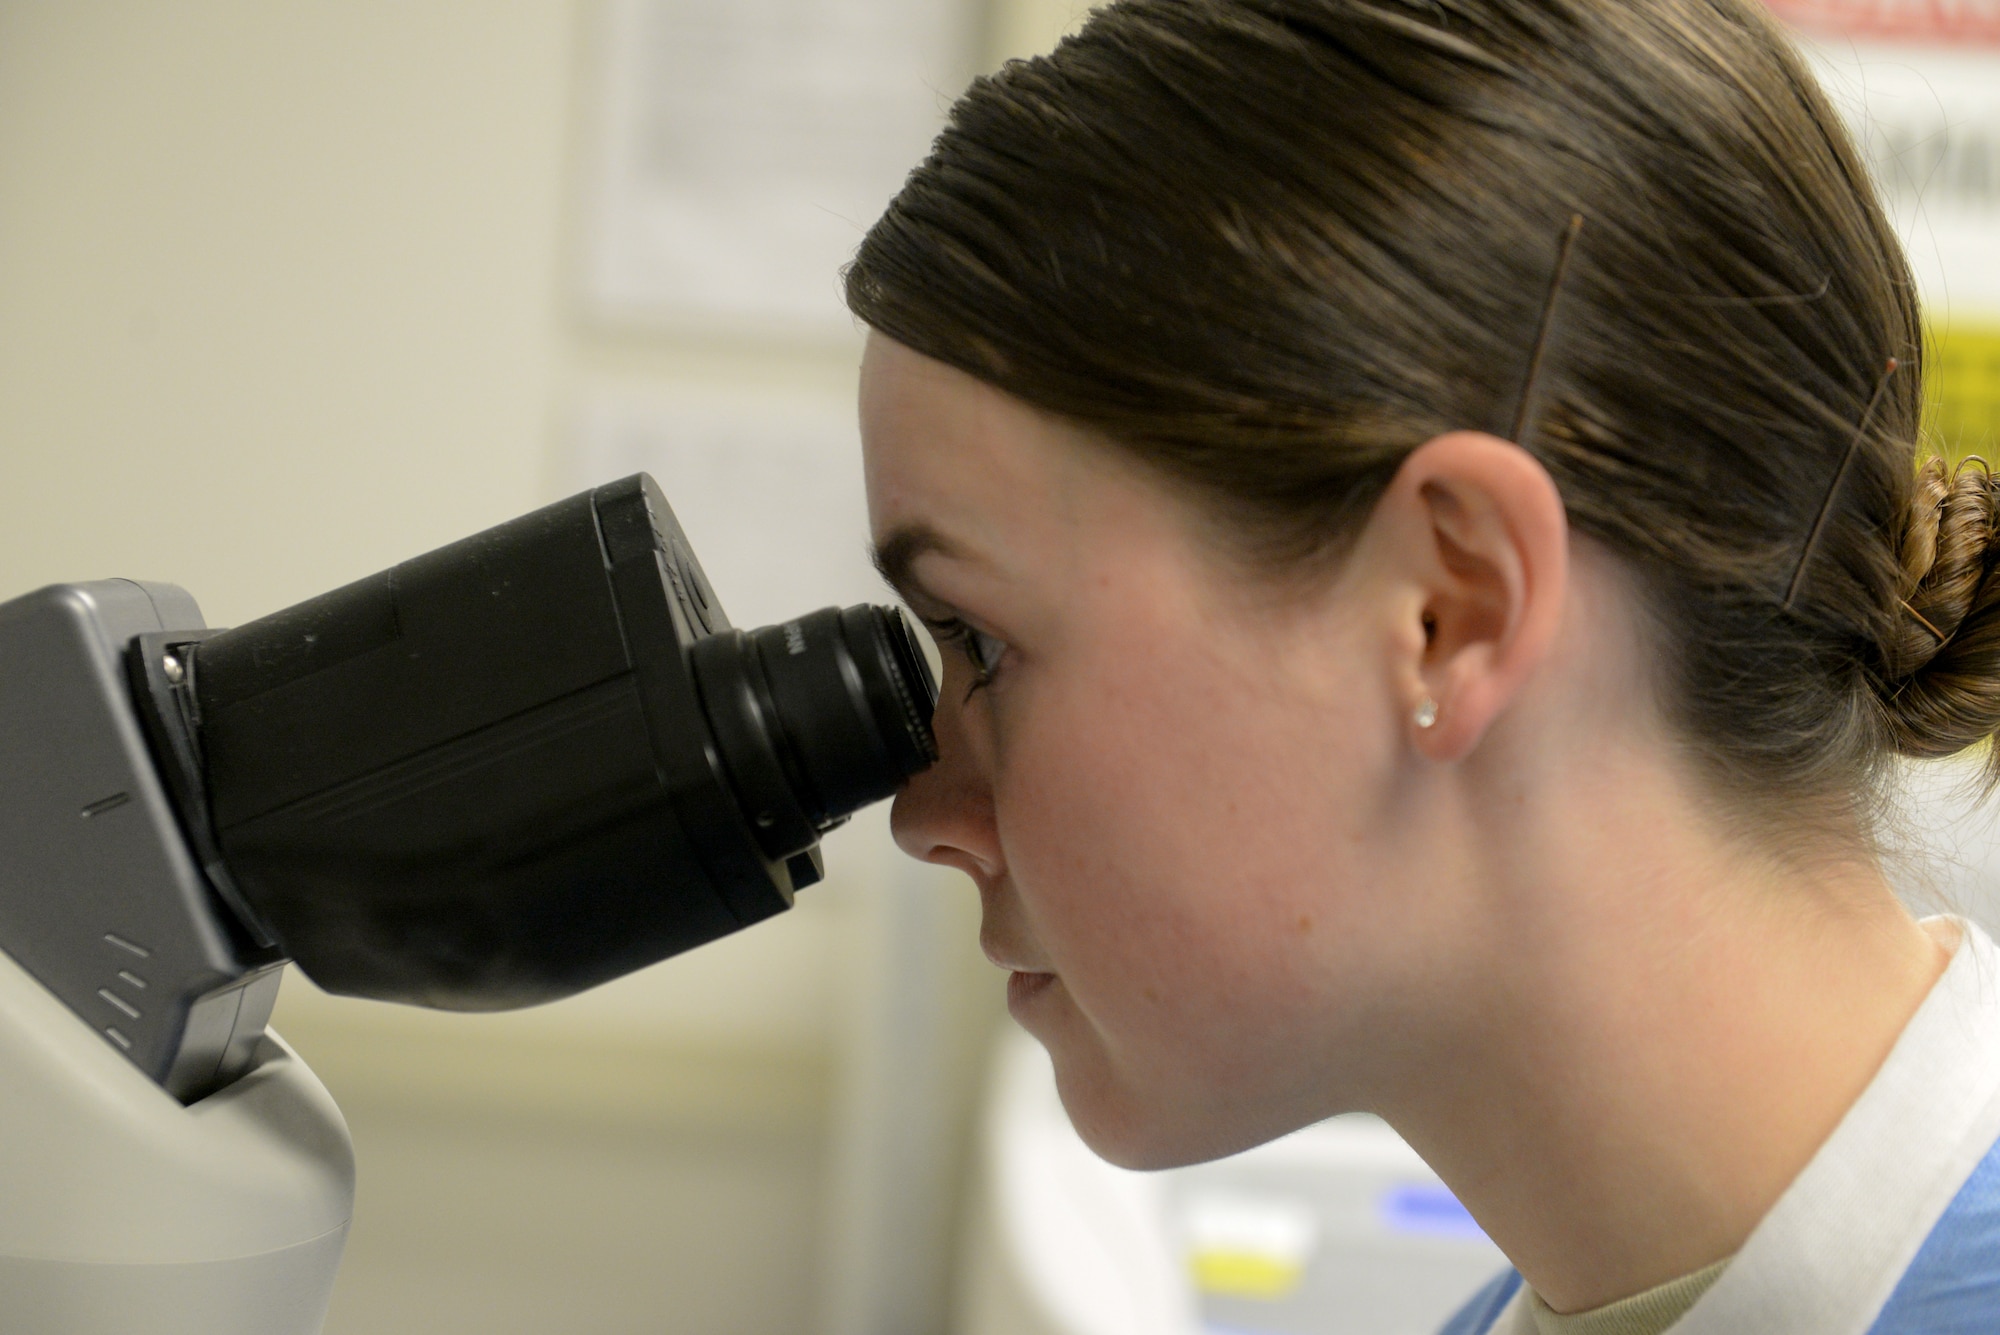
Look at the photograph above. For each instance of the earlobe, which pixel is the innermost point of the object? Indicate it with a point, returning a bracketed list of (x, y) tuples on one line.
[(1486, 543)]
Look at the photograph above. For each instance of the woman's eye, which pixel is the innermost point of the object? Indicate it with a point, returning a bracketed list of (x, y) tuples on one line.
[(984, 651), (981, 650)]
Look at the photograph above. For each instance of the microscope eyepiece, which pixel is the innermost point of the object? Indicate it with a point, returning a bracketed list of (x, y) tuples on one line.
[(817, 717)]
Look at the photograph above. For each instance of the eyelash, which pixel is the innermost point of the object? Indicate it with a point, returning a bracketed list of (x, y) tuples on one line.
[(966, 641)]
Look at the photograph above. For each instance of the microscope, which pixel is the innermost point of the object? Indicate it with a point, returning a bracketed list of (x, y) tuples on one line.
[(492, 776)]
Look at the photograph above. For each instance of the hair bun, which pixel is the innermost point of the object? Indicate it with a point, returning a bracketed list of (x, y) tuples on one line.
[(1941, 657)]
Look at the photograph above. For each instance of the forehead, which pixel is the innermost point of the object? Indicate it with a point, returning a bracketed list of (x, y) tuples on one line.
[(1010, 495), (941, 447)]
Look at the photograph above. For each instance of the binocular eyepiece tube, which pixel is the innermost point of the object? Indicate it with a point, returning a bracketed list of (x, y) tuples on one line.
[(527, 762)]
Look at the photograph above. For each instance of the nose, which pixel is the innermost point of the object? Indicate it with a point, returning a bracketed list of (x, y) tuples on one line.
[(945, 814)]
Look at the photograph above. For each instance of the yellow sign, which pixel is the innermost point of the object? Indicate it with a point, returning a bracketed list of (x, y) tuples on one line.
[(1248, 1244), (1254, 1275), (1962, 391)]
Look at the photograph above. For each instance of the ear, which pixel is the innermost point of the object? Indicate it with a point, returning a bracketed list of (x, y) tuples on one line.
[(1478, 534)]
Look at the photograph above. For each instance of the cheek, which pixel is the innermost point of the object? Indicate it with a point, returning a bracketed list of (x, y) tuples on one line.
[(1184, 845)]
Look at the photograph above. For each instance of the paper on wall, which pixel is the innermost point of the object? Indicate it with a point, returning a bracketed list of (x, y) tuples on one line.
[(745, 146), (767, 485)]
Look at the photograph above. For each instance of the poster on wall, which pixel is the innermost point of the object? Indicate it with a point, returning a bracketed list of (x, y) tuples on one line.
[(743, 148), (1919, 84), (766, 483)]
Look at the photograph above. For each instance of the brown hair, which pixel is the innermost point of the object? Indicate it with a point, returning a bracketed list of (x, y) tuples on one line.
[(1271, 246)]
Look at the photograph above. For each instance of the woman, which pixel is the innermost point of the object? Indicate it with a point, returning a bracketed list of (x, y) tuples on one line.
[(1422, 500)]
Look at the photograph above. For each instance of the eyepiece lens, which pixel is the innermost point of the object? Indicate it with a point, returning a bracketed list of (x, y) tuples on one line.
[(901, 692), (819, 716)]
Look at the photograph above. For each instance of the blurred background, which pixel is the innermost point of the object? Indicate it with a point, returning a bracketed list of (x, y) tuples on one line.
[(289, 293)]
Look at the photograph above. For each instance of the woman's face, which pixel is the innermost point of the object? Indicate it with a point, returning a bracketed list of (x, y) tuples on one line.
[(1172, 785)]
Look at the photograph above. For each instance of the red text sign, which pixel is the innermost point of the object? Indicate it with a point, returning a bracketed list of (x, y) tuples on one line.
[(1951, 21)]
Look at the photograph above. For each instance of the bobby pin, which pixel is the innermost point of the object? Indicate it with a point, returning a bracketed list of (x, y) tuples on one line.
[(1919, 617), (1542, 330), (1833, 489)]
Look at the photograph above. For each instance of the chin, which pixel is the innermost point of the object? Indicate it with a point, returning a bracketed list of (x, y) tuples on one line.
[(1140, 1130), (1146, 1116)]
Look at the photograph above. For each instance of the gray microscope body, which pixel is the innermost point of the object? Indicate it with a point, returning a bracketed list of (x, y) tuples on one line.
[(127, 1200)]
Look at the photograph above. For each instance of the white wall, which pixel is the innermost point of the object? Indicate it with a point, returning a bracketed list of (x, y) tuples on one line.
[(1025, 27), (279, 292)]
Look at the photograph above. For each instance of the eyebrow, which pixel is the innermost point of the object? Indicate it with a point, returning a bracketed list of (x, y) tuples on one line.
[(896, 555)]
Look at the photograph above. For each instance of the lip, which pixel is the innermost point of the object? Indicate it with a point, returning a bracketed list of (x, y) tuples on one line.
[(1007, 955), (1023, 987)]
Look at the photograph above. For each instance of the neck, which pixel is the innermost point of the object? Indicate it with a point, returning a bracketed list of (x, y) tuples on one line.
[(1668, 1029)]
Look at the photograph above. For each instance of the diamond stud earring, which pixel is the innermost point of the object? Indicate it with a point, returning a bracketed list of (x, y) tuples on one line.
[(1427, 713)]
